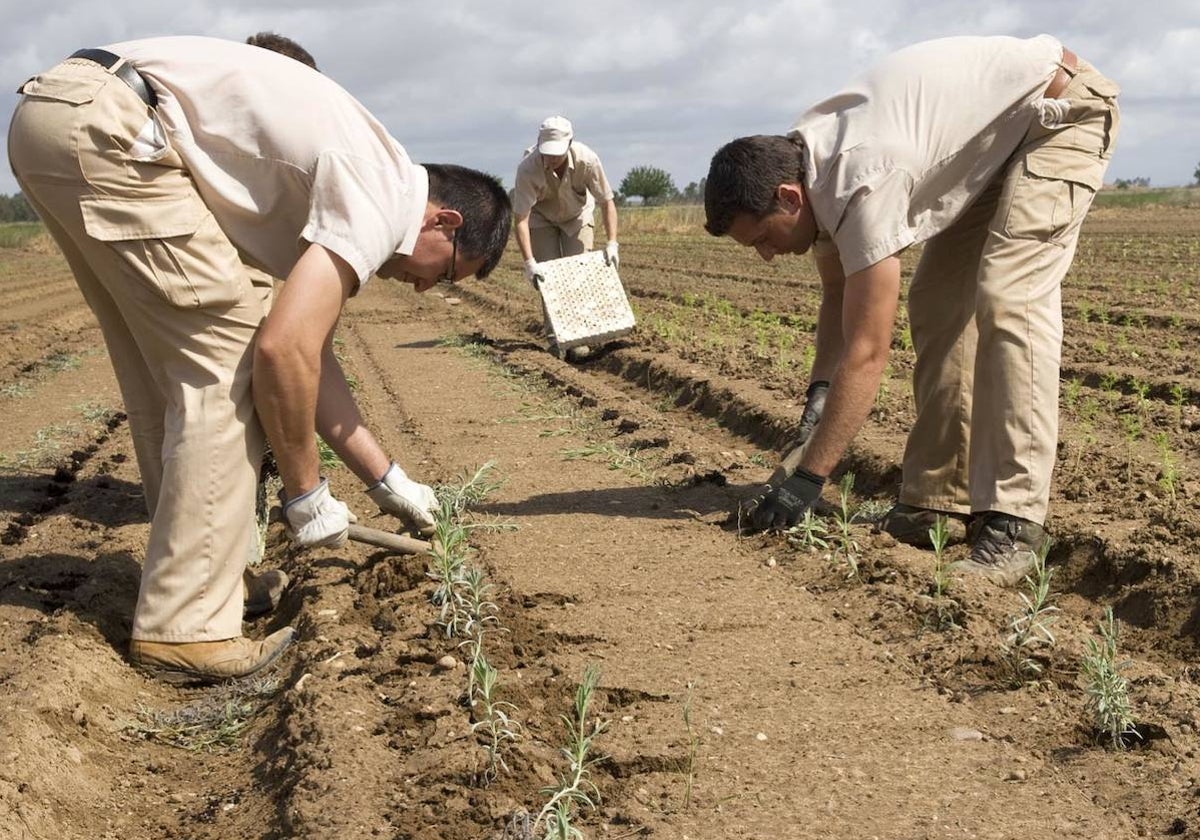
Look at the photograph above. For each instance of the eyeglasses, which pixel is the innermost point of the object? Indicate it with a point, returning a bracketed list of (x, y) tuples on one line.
[(449, 275)]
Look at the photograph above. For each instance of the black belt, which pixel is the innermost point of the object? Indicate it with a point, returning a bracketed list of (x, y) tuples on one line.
[(125, 73)]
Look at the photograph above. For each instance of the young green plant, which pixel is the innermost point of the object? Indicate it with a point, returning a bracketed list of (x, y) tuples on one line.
[(575, 789), (848, 547), (1029, 629), (809, 533), (943, 604), (688, 768), (1107, 689), (498, 731)]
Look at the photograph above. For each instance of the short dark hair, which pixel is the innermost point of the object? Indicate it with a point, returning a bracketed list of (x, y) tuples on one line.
[(283, 45), (744, 175), (484, 205)]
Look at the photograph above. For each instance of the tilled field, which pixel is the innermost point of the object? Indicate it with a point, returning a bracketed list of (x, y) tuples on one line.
[(822, 705)]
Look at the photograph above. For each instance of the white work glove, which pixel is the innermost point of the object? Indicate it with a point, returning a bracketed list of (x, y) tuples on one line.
[(410, 502), (316, 518), (532, 271), (610, 254)]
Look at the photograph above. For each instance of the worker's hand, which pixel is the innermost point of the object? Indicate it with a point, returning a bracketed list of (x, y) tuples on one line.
[(316, 518), (780, 507), (813, 406), (410, 502), (611, 256), (532, 271)]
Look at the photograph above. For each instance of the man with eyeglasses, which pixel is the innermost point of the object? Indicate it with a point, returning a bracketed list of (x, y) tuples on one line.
[(988, 150), (159, 167), (558, 183)]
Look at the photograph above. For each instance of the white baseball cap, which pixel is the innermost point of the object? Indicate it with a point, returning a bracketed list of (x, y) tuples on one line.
[(554, 136)]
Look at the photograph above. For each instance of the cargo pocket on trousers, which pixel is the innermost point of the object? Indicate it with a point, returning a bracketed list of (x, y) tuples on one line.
[(174, 244), (1055, 190), (63, 87)]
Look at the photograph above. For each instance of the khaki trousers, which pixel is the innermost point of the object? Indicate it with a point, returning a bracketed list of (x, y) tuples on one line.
[(985, 311), (550, 243), (179, 316)]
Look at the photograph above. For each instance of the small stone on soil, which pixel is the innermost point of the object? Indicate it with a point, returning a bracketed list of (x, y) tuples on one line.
[(962, 733), (447, 663), (1016, 776), (761, 736)]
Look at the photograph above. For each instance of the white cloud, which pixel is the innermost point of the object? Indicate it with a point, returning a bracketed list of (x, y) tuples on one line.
[(665, 83)]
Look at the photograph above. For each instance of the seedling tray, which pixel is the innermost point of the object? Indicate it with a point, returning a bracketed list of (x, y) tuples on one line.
[(585, 301)]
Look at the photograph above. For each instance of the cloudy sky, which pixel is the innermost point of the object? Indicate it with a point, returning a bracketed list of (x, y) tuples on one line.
[(662, 83)]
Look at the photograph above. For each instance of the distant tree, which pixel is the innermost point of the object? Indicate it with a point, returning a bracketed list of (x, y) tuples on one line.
[(14, 208), (651, 184), (1196, 174), (1126, 183)]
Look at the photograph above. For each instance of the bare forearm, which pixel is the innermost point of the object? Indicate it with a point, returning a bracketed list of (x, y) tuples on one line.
[(610, 219), (829, 342), (829, 339), (340, 423), (851, 396), (523, 241), (287, 362), (868, 313), (285, 398)]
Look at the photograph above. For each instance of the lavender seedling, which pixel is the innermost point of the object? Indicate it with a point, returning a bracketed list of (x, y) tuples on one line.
[(809, 533), (843, 517), (1029, 630), (499, 731), (1107, 690), (575, 789), (939, 535), (693, 745)]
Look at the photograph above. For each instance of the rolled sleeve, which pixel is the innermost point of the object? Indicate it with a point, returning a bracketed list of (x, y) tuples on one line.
[(876, 222), (359, 210)]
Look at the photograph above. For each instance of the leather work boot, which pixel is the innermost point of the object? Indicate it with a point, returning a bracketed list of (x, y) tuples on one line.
[(262, 592), (911, 525), (208, 662), (1003, 548)]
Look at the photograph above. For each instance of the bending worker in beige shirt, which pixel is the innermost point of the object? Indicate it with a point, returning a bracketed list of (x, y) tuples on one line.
[(558, 183), (160, 167), (989, 151)]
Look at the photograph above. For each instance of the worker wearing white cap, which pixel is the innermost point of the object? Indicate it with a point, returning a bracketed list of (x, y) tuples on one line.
[(558, 184)]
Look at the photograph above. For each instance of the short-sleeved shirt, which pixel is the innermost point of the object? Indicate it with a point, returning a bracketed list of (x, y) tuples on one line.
[(895, 157), (281, 154), (551, 201)]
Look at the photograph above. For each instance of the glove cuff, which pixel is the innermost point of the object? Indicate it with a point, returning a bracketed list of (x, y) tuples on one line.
[(817, 481), (531, 264), (815, 386), (393, 473), (322, 486)]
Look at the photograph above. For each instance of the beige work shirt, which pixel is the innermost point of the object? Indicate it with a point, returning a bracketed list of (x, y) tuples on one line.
[(897, 155), (281, 154), (551, 201)]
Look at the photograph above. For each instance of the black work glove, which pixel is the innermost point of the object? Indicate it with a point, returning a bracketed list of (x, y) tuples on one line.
[(783, 506), (813, 406)]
